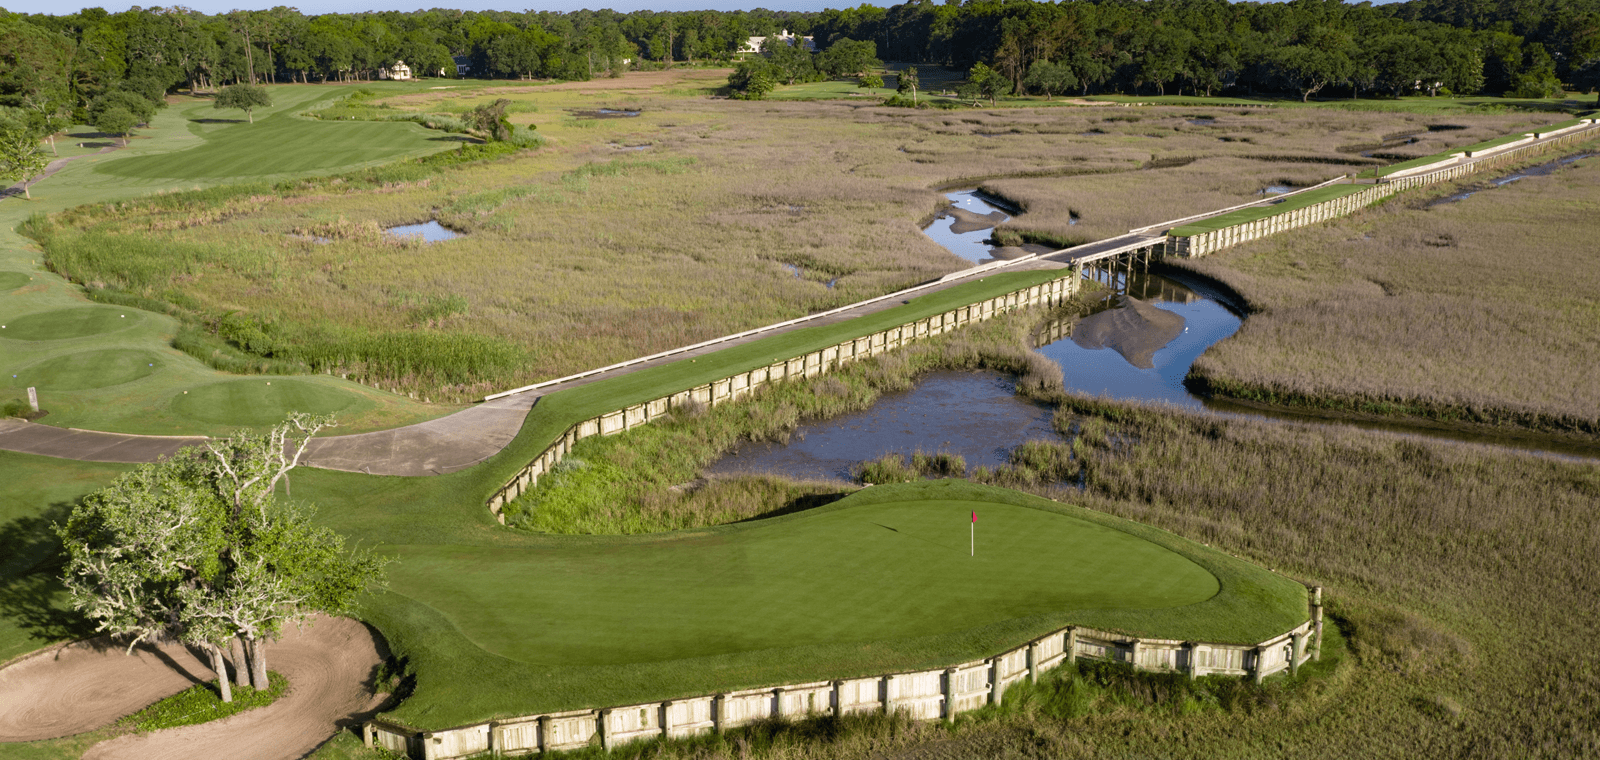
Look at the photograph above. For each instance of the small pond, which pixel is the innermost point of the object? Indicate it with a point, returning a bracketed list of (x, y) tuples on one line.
[(974, 414), (607, 113), (1275, 190), (430, 231)]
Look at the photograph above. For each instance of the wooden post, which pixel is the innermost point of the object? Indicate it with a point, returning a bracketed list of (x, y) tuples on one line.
[(1296, 650), (1072, 645), (606, 739), (1316, 622), (950, 694), (1033, 662), (1260, 671)]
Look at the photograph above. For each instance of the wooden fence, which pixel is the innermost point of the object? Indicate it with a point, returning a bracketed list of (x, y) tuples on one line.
[(1216, 240), (938, 694), (809, 365)]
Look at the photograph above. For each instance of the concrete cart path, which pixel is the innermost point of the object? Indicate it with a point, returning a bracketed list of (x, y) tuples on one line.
[(88, 445)]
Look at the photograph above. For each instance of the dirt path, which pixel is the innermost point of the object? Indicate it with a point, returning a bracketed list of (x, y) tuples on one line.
[(79, 687)]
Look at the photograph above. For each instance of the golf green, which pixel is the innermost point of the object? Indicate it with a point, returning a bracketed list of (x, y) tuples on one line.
[(13, 280), (89, 369), (75, 322), (260, 400), (868, 573)]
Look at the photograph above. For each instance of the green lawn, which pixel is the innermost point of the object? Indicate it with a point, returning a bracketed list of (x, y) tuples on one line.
[(37, 492), (878, 582), (86, 359), (280, 143)]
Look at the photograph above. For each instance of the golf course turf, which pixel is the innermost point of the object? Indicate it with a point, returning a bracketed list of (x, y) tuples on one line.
[(880, 581)]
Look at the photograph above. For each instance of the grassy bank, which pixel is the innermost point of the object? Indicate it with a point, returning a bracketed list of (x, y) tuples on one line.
[(1417, 310), (645, 482)]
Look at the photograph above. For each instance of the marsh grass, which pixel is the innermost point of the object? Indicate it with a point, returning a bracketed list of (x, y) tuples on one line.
[(1481, 311), (578, 255), (645, 480)]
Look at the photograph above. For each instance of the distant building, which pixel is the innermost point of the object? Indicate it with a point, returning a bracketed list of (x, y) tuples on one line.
[(463, 65), (753, 45), (399, 72)]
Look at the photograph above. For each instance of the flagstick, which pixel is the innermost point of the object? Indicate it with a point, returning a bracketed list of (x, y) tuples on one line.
[(972, 551)]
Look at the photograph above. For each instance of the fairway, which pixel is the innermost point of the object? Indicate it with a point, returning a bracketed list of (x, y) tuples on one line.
[(13, 280), (260, 401), (282, 143)]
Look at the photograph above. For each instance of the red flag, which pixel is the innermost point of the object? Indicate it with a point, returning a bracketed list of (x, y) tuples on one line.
[(974, 516)]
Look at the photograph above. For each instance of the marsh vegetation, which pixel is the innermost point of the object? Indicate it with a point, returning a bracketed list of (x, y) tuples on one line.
[(1482, 310), (578, 255)]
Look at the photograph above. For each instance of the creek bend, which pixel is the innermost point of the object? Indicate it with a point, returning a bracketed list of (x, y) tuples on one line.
[(1137, 344)]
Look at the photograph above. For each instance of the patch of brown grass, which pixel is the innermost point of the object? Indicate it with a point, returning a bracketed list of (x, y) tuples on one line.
[(1486, 309)]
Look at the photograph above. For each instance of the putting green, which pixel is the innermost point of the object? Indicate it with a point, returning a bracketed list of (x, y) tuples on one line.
[(13, 280), (76, 322), (260, 401), (89, 369), (871, 572)]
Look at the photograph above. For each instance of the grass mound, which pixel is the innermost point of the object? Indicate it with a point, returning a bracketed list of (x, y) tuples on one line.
[(77, 322), (202, 704), (260, 401), (90, 369)]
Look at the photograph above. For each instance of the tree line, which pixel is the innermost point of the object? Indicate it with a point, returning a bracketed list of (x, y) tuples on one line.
[(1203, 46)]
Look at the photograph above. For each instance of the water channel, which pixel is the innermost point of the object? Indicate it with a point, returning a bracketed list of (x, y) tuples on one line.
[(1137, 345)]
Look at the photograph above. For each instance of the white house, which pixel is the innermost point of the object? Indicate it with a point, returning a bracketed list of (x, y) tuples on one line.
[(398, 72), (753, 45)]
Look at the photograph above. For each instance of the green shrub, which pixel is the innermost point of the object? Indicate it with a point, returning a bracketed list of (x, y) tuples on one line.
[(16, 408), (889, 468), (202, 703)]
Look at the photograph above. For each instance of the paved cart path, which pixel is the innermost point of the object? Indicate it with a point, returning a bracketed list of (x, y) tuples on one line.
[(82, 686)]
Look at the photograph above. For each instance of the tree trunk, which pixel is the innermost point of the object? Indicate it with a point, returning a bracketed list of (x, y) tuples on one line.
[(258, 662), (221, 670), (241, 662)]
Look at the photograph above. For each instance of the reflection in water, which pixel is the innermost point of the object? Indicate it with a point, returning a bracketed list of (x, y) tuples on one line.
[(974, 414), (964, 228), (1153, 337), (431, 232)]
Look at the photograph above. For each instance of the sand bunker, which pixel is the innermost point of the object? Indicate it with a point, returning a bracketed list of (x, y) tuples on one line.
[(1135, 329), (79, 687)]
